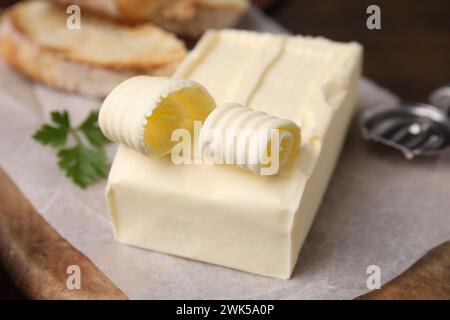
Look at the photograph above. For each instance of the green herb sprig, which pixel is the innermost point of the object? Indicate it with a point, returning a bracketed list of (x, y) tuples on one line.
[(82, 162)]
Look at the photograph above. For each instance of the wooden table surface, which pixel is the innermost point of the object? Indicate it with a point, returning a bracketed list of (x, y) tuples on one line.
[(409, 55)]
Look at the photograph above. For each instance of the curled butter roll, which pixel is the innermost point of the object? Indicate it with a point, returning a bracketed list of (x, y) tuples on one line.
[(254, 140), (143, 111)]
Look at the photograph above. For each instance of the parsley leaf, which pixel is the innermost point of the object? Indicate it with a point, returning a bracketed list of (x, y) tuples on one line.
[(83, 164), (91, 130), (61, 118), (57, 134)]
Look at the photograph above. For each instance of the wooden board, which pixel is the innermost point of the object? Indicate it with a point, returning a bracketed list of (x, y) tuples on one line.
[(428, 278), (36, 257)]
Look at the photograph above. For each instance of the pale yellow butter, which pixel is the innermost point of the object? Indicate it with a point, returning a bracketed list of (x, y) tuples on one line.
[(250, 139), (222, 214), (143, 111), (157, 116)]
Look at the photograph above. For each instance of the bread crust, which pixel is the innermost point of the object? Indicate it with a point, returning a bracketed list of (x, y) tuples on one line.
[(205, 15), (100, 41), (187, 18), (56, 67)]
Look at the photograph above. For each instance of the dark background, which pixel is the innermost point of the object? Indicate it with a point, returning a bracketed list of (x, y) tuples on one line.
[(410, 55)]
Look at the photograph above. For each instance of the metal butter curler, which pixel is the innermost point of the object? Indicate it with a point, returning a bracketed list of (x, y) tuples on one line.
[(413, 128)]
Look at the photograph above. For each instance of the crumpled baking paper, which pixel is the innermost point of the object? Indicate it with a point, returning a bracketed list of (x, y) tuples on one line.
[(380, 209)]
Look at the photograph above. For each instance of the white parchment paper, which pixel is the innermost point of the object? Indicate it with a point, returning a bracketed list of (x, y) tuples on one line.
[(380, 209)]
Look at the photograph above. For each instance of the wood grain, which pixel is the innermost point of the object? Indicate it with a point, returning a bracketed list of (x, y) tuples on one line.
[(36, 257), (428, 278)]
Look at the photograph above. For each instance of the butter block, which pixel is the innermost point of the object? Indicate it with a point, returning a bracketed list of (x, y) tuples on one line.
[(223, 214)]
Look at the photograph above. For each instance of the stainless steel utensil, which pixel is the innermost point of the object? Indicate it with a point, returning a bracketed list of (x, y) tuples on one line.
[(413, 128)]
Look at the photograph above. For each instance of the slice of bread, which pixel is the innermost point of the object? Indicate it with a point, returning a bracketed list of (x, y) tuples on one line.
[(92, 60), (187, 18)]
